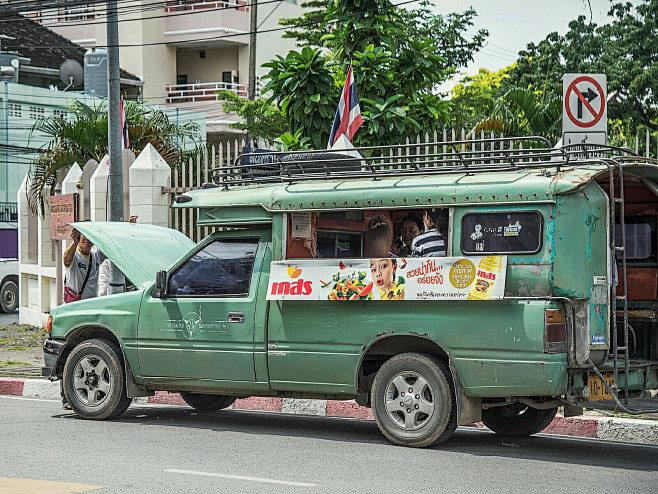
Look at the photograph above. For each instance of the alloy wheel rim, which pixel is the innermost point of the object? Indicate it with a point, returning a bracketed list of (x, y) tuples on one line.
[(409, 400), (92, 381)]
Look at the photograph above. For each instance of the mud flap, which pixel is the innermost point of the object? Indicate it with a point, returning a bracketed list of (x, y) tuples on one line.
[(469, 409)]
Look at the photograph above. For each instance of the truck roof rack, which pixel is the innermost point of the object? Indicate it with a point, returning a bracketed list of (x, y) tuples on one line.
[(471, 156)]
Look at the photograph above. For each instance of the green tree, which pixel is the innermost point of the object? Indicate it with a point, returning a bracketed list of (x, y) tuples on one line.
[(261, 119), (473, 99), (522, 112), (85, 137), (625, 50), (397, 67)]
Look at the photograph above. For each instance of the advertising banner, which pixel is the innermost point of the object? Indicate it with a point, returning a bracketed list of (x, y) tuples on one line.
[(420, 278)]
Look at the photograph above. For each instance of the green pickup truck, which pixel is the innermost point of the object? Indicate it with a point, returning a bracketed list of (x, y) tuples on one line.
[(519, 317)]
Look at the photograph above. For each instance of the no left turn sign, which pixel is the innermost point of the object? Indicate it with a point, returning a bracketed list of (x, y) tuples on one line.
[(585, 112)]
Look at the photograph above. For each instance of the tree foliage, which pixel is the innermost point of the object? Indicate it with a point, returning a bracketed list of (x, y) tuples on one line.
[(261, 119), (625, 50), (399, 57), (85, 137), (473, 99)]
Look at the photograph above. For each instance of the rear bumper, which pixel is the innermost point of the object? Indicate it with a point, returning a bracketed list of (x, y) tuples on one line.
[(52, 350)]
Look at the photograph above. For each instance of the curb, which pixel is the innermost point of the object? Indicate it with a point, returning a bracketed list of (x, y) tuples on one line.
[(608, 428)]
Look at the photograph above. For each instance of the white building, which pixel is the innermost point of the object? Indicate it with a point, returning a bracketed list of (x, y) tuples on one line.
[(184, 51)]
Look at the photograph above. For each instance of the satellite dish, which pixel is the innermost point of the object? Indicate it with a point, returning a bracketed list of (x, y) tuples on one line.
[(71, 73)]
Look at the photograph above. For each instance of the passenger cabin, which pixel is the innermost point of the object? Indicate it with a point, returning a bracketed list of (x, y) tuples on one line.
[(585, 240)]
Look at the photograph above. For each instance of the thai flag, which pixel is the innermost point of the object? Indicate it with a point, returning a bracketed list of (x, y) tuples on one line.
[(124, 128), (348, 114)]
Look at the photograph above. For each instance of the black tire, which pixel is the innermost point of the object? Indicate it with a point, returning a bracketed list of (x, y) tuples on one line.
[(419, 419), (517, 419), (9, 296), (95, 381), (206, 402)]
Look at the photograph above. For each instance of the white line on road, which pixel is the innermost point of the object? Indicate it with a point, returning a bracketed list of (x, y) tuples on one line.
[(240, 477), (11, 397)]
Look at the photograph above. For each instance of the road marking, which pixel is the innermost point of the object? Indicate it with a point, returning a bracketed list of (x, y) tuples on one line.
[(240, 477), (7, 397), (31, 486)]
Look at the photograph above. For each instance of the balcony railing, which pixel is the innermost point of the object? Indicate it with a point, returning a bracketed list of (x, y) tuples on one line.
[(203, 91), (178, 5), (8, 211)]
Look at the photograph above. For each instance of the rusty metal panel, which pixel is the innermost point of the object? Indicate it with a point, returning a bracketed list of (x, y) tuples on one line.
[(642, 283), (63, 210)]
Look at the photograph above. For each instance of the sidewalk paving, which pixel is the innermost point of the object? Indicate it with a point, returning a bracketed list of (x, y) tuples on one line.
[(609, 428)]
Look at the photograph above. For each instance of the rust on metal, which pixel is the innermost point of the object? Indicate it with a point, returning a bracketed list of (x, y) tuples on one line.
[(63, 210)]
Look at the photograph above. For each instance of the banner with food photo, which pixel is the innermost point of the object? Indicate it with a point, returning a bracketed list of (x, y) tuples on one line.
[(419, 278)]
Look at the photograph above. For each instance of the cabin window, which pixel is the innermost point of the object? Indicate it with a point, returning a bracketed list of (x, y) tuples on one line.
[(376, 233), (640, 238), (221, 268), (518, 232)]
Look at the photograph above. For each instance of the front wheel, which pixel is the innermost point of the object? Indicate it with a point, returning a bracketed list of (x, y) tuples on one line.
[(517, 419), (9, 297), (412, 400), (94, 380), (206, 402)]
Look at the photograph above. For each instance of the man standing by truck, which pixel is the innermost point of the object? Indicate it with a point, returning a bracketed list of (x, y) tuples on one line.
[(82, 264)]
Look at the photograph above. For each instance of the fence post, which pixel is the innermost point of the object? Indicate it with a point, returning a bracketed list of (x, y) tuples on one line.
[(149, 173), (98, 191)]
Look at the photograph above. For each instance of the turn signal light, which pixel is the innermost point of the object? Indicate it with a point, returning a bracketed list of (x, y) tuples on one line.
[(49, 326), (555, 331)]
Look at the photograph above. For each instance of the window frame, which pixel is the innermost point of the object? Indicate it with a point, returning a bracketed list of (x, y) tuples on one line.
[(540, 240), (212, 239)]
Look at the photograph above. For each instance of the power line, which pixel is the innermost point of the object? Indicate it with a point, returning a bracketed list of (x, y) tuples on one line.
[(136, 10), (233, 35)]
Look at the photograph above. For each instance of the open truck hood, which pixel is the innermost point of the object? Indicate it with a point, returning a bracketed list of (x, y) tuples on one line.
[(139, 251)]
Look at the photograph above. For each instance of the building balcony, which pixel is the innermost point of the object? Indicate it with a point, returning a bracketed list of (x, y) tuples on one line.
[(203, 91), (207, 23)]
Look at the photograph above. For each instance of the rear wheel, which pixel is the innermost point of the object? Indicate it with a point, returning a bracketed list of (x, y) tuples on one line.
[(94, 380), (412, 400), (517, 419), (9, 296), (206, 402)]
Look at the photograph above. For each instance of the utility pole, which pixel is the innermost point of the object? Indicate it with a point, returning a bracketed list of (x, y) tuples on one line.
[(115, 186), (253, 27)]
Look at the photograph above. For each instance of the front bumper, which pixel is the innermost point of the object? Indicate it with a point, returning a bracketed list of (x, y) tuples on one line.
[(52, 350)]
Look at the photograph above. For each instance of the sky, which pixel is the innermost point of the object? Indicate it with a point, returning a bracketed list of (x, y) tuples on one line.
[(512, 24)]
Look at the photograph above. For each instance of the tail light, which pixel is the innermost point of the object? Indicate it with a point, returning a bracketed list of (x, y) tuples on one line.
[(49, 326), (555, 331)]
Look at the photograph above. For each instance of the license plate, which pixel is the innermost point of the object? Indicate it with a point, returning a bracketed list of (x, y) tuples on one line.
[(597, 390)]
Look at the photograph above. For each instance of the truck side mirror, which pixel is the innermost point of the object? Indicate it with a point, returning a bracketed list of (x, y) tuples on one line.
[(160, 284)]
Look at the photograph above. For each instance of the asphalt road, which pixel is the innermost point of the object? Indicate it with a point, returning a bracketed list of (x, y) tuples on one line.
[(173, 449), (8, 318)]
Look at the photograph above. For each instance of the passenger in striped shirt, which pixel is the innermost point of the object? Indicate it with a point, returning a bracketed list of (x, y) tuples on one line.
[(430, 243)]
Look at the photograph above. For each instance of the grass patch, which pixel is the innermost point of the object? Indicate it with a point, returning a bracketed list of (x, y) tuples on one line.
[(13, 362)]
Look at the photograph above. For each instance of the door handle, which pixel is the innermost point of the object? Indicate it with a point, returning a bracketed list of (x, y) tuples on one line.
[(237, 317)]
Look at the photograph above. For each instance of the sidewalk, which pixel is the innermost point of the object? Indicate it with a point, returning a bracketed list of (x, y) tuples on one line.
[(609, 428)]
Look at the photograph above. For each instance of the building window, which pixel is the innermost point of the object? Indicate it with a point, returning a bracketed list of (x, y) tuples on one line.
[(36, 112), (15, 110), (63, 114)]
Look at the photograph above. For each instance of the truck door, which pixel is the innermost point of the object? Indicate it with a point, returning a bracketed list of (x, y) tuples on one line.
[(203, 328)]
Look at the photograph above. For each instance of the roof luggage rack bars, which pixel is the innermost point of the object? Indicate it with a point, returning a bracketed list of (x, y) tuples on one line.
[(477, 156)]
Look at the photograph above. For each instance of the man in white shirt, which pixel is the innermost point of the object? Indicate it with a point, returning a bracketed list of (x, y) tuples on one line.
[(82, 261)]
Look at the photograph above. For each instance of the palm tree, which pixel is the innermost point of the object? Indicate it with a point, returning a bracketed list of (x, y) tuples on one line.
[(85, 137), (520, 112)]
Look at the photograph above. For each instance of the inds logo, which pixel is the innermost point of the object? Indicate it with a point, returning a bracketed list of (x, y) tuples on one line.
[(298, 287)]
